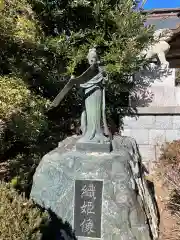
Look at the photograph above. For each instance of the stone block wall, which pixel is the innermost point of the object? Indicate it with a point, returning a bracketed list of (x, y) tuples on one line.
[(158, 114), (152, 131)]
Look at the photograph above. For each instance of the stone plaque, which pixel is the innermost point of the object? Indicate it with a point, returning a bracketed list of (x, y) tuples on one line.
[(88, 208)]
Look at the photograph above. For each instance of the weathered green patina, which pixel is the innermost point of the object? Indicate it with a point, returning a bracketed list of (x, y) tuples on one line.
[(95, 133)]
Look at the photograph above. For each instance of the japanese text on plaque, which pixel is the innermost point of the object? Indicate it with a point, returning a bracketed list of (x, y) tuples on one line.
[(87, 209), (88, 194)]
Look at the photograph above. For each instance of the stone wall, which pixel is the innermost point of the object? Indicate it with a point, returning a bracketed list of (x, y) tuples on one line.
[(158, 121), (151, 131)]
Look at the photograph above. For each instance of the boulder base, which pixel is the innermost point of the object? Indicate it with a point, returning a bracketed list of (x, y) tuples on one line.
[(122, 216)]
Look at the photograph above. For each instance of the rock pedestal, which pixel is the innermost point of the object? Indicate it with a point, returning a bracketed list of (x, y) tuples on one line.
[(96, 193)]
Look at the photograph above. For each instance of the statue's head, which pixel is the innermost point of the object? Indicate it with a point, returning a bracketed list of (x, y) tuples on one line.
[(92, 56), (163, 34)]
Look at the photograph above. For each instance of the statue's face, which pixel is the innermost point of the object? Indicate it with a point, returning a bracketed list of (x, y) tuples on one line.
[(92, 56), (163, 35), (168, 36), (92, 60)]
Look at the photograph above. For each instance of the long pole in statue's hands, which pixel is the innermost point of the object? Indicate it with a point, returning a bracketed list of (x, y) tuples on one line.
[(88, 74), (62, 93)]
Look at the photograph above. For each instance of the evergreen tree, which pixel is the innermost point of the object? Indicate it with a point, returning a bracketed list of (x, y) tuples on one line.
[(42, 43)]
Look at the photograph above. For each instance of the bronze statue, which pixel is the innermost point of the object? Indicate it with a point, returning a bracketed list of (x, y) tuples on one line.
[(93, 117)]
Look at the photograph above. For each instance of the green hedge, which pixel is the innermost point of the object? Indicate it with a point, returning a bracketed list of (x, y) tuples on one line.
[(19, 218)]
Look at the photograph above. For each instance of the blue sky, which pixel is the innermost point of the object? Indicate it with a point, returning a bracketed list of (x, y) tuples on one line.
[(162, 4)]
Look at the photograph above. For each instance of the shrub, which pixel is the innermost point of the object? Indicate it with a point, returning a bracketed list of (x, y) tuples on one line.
[(13, 95), (28, 124), (169, 173), (21, 170), (170, 166), (167, 187), (18, 20), (171, 153), (170, 170), (19, 218), (22, 111)]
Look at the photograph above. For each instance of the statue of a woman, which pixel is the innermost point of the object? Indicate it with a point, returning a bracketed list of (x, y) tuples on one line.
[(93, 119)]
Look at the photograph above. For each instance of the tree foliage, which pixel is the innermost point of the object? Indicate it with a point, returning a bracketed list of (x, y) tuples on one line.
[(42, 43)]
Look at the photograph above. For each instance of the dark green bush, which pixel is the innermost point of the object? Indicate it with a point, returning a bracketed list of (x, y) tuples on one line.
[(19, 218)]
